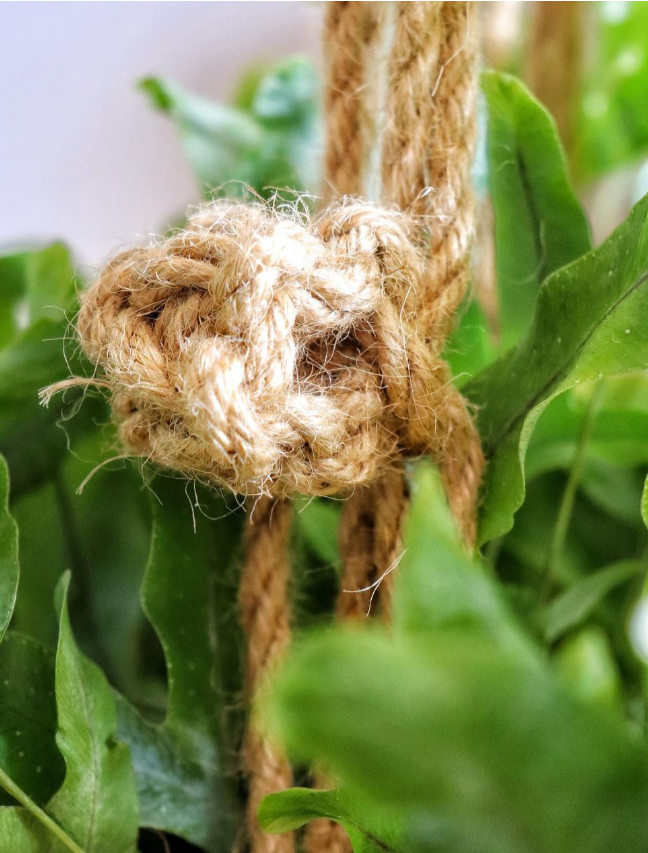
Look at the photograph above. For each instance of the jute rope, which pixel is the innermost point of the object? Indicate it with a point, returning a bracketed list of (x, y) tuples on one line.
[(271, 353), (427, 147), (265, 617)]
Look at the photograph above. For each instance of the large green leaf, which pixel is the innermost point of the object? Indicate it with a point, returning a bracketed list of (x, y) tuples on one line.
[(539, 224), (473, 745), (95, 809), (588, 324), (182, 777)]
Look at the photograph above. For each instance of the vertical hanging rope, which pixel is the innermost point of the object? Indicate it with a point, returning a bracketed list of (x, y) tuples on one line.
[(264, 606), (427, 149), (350, 32)]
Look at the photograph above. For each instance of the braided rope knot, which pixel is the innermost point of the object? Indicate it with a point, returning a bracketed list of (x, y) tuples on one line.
[(268, 353)]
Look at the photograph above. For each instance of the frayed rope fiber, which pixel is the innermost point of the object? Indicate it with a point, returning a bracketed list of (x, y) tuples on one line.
[(270, 354)]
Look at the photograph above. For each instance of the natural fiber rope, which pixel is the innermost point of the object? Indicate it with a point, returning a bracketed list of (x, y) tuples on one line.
[(272, 354), (427, 150), (350, 32), (265, 617)]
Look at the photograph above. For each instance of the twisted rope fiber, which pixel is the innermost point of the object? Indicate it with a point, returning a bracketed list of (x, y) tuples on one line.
[(264, 610), (427, 149), (350, 31)]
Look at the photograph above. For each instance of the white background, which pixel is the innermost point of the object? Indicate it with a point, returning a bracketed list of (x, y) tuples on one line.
[(83, 156)]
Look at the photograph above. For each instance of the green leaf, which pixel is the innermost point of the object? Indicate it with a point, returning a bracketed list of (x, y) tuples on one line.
[(317, 521), (183, 784), (587, 325), (35, 285), (28, 751), (587, 663), (539, 224), (291, 809), (572, 607), (269, 141), (9, 570), (97, 804), (485, 746), (451, 591), (469, 348), (217, 140), (618, 435), (611, 127)]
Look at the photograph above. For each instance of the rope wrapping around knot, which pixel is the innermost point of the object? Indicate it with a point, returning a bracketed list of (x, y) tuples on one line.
[(270, 354)]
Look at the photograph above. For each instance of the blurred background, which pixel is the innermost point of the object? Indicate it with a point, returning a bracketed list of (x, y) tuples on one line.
[(84, 157)]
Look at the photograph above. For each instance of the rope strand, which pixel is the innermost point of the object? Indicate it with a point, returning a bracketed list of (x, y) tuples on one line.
[(264, 607)]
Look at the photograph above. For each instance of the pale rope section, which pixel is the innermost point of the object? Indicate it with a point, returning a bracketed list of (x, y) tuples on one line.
[(265, 608), (350, 32), (351, 44)]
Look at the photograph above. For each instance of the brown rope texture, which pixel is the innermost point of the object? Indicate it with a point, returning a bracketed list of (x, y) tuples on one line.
[(272, 354)]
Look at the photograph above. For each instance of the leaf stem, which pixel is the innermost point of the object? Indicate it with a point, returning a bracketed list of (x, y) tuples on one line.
[(569, 495), (17, 793)]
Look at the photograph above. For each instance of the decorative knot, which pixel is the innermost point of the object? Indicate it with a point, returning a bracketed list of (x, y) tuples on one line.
[(261, 351)]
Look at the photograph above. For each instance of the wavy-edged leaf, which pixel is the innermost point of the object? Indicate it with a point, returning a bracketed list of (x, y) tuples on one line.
[(268, 141), (588, 324), (182, 779), (539, 224), (97, 803)]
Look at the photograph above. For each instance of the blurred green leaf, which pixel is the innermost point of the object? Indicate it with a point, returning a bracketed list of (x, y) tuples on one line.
[(316, 520), (438, 586), (539, 224), (618, 436), (9, 571), (587, 663), (266, 145), (486, 744), (586, 326), (217, 140), (34, 285), (572, 607), (611, 123), (469, 348), (182, 779), (291, 809)]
